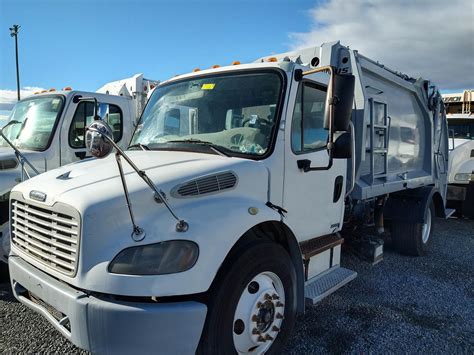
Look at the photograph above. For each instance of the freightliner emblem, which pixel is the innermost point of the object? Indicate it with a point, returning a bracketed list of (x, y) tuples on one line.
[(38, 195)]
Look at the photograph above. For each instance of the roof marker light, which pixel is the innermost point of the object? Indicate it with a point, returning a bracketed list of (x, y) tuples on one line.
[(43, 91), (196, 70), (36, 93), (272, 59), (52, 90), (235, 62), (67, 88), (215, 66)]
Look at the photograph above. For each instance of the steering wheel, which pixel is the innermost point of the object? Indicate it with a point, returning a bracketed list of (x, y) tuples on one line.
[(258, 121)]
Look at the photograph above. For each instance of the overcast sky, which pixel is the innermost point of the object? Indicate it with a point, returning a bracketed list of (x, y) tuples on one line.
[(429, 38)]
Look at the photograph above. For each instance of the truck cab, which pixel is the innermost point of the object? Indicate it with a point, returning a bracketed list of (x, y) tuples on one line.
[(48, 129), (461, 152)]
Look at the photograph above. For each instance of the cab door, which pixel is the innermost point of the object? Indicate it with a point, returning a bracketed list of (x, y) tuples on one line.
[(80, 116), (314, 186)]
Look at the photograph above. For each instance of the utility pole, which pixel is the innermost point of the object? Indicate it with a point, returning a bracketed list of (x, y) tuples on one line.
[(14, 33)]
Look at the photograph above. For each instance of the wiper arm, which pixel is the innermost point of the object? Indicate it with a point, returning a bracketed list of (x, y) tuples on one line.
[(214, 147), (139, 145), (20, 157)]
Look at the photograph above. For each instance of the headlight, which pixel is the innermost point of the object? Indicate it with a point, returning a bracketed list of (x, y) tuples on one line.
[(464, 177), (156, 259)]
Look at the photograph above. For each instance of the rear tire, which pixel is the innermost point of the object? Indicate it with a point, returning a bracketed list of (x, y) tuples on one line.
[(248, 302), (411, 238)]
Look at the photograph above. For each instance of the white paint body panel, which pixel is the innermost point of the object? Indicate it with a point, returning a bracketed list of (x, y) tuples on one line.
[(461, 160)]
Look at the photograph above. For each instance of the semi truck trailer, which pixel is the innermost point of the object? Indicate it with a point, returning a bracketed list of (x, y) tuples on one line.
[(225, 216), (47, 130)]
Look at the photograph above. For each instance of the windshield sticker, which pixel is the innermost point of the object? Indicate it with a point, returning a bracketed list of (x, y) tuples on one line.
[(208, 86)]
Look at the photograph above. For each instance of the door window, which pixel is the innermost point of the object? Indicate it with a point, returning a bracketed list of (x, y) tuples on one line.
[(84, 116), (307, 129)]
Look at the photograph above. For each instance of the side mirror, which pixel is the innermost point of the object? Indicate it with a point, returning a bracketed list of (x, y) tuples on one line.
[(342, 146), (343, 99), (98, 139)]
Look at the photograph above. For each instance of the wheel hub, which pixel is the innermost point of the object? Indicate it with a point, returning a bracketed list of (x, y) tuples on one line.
[(266, 315), (259, 314)]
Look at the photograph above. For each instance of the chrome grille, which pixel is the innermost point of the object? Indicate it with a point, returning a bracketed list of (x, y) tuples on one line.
[(207, 184), (46, 235)]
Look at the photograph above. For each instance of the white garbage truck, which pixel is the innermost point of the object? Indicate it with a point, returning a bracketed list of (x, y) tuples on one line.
[(226, 214), (460, 116), (46, 131)]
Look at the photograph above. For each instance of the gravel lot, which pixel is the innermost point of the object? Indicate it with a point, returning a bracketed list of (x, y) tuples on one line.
[(401, 305)]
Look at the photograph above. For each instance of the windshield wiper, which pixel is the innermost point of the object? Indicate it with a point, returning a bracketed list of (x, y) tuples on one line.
[(214, 147), (139, 145), (20, 157)]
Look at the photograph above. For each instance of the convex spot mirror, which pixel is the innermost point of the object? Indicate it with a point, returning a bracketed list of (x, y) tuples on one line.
[(343, 99), (98, 137)]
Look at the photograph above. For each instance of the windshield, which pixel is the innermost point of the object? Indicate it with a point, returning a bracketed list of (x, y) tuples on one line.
[(463, 129), (233, 112), (37, 118)]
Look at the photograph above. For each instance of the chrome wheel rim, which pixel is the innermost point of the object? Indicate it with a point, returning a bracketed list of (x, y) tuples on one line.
[(425, 232), (259, 314)]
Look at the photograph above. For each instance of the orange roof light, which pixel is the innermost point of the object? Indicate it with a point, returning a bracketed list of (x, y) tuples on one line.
[(215, 66), (235, 62), (36, 93), (272, 59), (51, 90), (43, 91), (196, 70), (67, 88)]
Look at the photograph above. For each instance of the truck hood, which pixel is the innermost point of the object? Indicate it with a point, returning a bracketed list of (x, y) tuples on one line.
[(81, 182)]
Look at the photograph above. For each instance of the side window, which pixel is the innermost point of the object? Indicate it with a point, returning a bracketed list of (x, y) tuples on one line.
[(84, 116), (115, 121), (307, 128)]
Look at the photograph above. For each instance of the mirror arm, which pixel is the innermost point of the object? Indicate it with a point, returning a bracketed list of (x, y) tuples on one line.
[(138, 233), (182, 225)]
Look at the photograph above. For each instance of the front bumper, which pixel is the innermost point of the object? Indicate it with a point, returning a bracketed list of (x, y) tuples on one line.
[(106, 325)]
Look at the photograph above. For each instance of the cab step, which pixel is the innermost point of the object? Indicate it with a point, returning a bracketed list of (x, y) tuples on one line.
[(328, 282)]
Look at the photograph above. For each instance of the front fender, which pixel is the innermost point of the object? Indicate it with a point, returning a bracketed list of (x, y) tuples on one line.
[(215, 224)]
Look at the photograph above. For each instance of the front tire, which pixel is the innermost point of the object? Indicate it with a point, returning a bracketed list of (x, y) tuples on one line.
[(412, 238), (252, 307)]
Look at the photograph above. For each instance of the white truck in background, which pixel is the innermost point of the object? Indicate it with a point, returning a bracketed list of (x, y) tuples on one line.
[(460, 116), (226, 214), (46, 131)]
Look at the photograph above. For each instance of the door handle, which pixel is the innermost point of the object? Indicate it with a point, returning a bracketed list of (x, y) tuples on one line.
[(337, 188), (304, 164), (80, 155)]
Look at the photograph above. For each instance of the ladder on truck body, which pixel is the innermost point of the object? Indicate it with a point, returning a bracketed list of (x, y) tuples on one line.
[(380, 129)]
